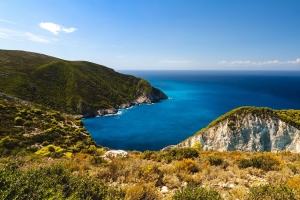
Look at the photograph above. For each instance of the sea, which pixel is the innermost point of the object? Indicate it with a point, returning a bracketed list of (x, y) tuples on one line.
[(195, 99)]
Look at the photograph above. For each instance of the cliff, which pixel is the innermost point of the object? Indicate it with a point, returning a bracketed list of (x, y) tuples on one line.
[(250, 129)]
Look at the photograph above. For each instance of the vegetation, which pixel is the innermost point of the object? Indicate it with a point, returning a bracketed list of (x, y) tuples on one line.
[(55, 182), (90, 176), (193, 192), (28, 129), (266, 163), (66, 86)]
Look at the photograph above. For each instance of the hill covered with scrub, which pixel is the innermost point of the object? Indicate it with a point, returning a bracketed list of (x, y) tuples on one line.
[(75, 87)]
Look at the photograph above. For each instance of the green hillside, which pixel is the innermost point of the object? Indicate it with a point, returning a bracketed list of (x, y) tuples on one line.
[(67, 86), (28, 129)]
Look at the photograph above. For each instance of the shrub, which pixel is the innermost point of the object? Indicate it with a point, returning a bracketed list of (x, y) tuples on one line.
[(55, 182), (8, 143), (197, 145), (141, 192), (96, 160), (193, 192), (18, 121), (215, 160), (51, 150), (266, 163), (150, 155), (270, 192), (179, 154), (188, 165), (294, 182), (172, 181)]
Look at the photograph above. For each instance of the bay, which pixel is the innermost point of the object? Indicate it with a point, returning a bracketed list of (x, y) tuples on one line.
[(195, 99)]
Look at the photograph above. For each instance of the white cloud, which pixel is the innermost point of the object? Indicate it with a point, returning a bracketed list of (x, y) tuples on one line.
[(271, 62), (56, 28), (37, 38)]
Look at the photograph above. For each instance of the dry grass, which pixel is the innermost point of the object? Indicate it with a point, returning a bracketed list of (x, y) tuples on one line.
[(136, 175)]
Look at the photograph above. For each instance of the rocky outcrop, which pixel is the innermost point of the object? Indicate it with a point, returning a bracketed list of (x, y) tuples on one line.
[(248, 132), (154, 96)]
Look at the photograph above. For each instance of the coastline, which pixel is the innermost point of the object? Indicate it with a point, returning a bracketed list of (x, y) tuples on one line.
[(154, 96)]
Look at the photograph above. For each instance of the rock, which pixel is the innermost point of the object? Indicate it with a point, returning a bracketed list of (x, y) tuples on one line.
[(168, 148), (184, 184), (89, 113), (156, 95), (125, 105), (115, 153), (164, 189), (107, 111)]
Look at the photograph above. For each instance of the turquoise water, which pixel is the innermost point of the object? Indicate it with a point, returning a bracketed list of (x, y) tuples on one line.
[(196, 98)]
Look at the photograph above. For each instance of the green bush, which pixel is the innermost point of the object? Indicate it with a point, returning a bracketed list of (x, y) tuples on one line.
[(215, 160), (266, 163), (193, 192), (18, 121), (55, 182), (179, 154), (150, 155), (141, 192), (270, 192)]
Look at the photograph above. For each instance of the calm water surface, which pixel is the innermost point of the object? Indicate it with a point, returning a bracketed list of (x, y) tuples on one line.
[(196, 98)]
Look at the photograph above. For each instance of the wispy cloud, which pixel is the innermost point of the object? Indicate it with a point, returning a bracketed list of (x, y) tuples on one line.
[(56, 28), (3, 35), (271, 62), (37, 38), (10, 22), (19, 36)]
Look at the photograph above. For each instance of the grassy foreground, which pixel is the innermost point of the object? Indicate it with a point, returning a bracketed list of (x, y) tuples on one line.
[(187, 174)]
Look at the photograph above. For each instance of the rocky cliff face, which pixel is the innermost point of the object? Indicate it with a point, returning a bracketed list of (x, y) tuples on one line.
[(154, 96), (248, 132)]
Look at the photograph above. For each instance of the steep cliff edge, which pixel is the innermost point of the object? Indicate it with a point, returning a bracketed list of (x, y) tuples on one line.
[(251, 129)]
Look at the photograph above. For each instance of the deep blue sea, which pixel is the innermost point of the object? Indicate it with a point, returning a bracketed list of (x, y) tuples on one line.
[(196, 98)]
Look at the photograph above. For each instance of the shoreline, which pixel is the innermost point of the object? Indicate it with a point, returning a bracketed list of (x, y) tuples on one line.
[(155, 96)]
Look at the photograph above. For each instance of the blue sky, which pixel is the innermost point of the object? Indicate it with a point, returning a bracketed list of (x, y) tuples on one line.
[(158, 34)]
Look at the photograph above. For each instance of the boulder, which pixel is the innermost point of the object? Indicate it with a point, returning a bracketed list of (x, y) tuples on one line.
[(115, 153)]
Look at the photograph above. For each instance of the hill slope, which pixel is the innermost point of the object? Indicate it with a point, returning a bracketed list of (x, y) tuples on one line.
[(68, 86), (251, 129), (29, 129)]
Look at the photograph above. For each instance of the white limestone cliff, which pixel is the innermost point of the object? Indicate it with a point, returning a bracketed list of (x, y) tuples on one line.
[(248, 132)]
